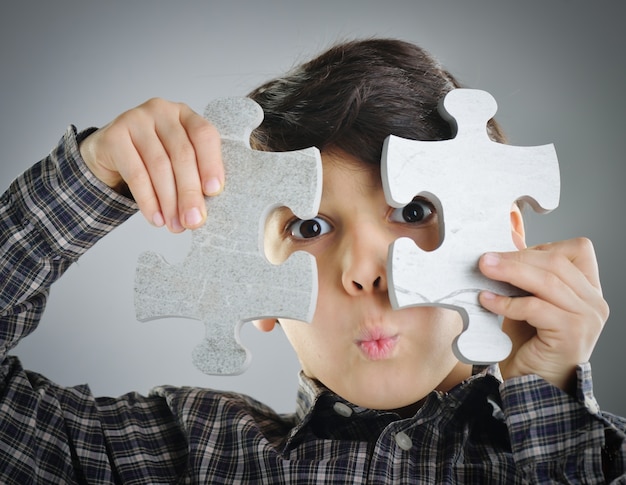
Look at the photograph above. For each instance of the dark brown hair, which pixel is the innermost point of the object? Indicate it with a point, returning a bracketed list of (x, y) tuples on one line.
[(352, 96)]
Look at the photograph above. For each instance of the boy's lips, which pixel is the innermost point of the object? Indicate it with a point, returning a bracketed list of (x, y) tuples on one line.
[(376, 345)]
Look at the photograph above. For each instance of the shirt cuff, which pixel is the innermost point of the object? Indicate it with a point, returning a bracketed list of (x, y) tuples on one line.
[(66, 203), (548, 425)]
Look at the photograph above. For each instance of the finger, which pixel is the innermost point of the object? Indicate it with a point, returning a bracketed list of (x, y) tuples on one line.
[(157, 166), (191, 206), (133, 172), (581, 253), (557, 331), (549, 274), (578, 251), (207, 145), (536, 275), (574, 330), (540, 314)]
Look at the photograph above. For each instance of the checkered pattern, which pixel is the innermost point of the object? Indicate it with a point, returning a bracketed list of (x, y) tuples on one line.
[(483, 431)]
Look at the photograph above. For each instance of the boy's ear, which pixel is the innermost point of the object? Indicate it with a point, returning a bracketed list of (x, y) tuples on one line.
[(265, 325), (518, 233)]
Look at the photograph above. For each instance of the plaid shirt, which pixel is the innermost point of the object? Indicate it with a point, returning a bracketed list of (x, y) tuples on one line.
[(482, 431)]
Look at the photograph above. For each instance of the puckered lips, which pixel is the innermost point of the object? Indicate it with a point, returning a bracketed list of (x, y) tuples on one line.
[(377, 344)]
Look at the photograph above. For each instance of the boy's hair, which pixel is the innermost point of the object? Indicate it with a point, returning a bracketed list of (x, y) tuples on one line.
[(354, 95)]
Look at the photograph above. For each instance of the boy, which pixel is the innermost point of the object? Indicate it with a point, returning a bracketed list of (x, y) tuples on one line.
[(382, 398)]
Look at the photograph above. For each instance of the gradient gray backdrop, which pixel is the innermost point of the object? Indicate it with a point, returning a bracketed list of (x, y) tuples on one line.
[(556, 69)]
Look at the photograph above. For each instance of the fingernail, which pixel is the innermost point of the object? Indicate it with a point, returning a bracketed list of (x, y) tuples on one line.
[(212, 186), (157, 219), (193, 217), (491, 259), (176, 225), (488, 295)]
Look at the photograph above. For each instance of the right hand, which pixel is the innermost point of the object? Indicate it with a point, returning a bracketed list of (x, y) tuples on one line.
[(166, 155)]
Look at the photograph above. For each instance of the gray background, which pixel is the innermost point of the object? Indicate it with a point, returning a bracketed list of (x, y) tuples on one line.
[(556, 69)]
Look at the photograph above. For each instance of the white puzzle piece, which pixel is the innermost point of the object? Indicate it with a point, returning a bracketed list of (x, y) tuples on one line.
[(226, 280), (473, 183)]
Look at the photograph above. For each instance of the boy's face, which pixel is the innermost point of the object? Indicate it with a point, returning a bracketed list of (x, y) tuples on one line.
[(357, 345)]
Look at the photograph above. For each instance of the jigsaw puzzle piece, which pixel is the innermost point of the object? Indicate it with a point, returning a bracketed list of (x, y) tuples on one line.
[(225, 279), (473, 182)]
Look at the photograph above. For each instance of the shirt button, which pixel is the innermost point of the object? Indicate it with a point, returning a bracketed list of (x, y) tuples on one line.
[(403, 441), (342, 409)]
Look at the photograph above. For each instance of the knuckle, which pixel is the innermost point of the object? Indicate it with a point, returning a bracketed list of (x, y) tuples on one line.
[(158, 108), (583, 244), (533, 305), (558, 264), (205, 132), (156, 103), (583, 334), (586, 328), (555, 260), (509, 306), (116, 131), (190, 196), (184, 152), (604, 311), (206, 129), (129, 120), (551, 280), (160, 164), (148, 203), (135, 181)]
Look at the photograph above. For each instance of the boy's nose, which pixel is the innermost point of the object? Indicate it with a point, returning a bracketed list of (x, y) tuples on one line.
[(364, 263), (376, 284)]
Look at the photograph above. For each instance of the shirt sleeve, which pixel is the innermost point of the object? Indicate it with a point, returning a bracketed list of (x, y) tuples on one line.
[(556, 438), (49, 217)]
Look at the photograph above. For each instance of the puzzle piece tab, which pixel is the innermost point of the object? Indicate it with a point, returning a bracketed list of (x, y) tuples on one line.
[(226, 280), (473, 183)]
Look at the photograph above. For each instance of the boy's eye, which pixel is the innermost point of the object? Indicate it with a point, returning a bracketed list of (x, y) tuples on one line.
[(309, 228), (414, 212)]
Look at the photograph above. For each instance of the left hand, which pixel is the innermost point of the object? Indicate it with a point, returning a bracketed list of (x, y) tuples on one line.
[(556, 327)]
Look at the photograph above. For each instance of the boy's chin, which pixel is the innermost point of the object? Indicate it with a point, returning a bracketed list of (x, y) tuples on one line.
[(395, 388), (382, 396), (405, 407)]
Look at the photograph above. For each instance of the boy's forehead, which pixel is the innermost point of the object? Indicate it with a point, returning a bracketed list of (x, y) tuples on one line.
[(342, 172)]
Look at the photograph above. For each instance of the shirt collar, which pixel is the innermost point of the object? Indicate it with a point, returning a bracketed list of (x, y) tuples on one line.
[(310, 390), (323, 413)]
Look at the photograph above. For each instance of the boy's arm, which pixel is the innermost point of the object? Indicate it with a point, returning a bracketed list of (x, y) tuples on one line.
[(49, 216), (560, 438), (161, 153)]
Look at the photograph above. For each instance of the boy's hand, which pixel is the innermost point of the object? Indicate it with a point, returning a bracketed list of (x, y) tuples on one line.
[(168, 156), (557, 326)]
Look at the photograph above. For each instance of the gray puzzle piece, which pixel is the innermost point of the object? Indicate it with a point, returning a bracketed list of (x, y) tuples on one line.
[(226, 280), (473, 181)]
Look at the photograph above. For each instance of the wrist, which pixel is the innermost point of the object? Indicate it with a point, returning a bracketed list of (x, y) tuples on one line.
[(563, 379), (88, 152)]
